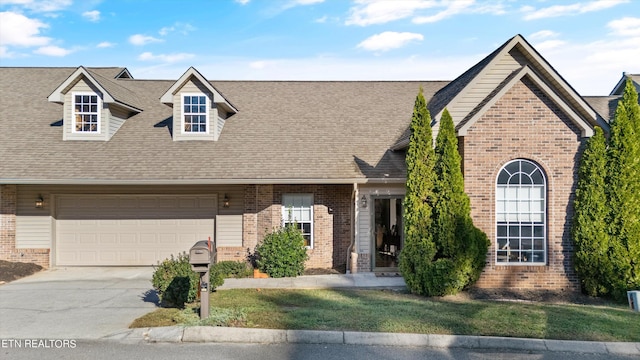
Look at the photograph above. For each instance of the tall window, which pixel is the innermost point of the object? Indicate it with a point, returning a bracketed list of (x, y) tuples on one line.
[(86, 113), (297, 209), (194, 113), (521, 214)]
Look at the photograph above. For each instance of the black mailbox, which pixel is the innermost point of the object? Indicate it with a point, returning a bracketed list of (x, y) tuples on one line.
[(201, 255)]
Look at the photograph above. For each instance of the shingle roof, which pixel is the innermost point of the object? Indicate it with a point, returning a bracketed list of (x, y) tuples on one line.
[(285, 131), (119, 93), (604, 105)]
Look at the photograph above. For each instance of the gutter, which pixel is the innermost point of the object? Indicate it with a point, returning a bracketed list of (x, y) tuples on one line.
[(257, 181)]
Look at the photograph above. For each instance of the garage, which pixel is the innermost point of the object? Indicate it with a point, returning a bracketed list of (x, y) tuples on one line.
[(129, 230)]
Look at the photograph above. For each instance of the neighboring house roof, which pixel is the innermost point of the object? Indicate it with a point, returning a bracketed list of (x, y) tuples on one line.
[(284, 132), (604, 105), (619, 88), (466, 96)]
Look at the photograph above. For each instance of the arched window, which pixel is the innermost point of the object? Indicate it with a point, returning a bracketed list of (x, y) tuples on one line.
[(521, 214)]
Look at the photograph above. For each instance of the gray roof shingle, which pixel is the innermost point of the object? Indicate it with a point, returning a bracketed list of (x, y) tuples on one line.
[(285, 131)]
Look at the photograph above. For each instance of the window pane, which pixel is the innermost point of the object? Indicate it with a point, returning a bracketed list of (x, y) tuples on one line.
[(78, 98), (526, 231), (513, 167), (525, 179), (503, 178), (527, 167), (537, 177), (515, 179), (538, 231), (187, 100)]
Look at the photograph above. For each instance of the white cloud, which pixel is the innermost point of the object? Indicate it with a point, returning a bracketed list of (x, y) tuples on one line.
[(593, 68), (242, 2), (139, 39), (455, 7), (182, 28), (52, 50), (19, 30), (389, 40), (565, 10), (543, 34), (39, 5), (105, 44), (549, 44), (370, 12), (93, 15), (627, 26), (166, 58), (321, 20)]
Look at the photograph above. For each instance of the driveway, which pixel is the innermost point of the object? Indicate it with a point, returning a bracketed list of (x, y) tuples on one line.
[(75, 303)]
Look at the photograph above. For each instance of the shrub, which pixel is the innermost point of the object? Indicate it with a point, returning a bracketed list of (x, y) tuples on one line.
[(282, 253), (231, 269), (177, 284)]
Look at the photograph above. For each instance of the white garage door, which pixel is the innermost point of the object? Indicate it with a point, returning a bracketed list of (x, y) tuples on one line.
[(130, 230)]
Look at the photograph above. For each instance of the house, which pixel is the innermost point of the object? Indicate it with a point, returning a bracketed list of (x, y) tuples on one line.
[(100, 168)]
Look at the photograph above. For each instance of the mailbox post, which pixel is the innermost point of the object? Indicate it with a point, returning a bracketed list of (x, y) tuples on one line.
[(201, 255)]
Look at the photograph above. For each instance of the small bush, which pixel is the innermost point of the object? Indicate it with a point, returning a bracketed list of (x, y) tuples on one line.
[(232, 269), (177, 284), (282, 253)]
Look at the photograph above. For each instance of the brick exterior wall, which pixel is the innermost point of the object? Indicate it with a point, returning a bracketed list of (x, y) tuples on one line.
[(332, 220), (8, 251), (525, 124)]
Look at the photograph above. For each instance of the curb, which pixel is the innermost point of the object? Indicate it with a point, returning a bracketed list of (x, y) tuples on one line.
[(218, 334)]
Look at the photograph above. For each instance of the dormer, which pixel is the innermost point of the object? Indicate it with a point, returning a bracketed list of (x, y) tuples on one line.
[(94, 107), (199, 109)]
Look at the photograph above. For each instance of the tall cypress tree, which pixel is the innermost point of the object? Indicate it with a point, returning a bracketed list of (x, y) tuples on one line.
[(589, 232), (418, 248), (461, 247), (624, 191)]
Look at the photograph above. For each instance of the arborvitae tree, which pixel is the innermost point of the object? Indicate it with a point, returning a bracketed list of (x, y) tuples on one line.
[(461, 248), (623, 190), (590, 232), (418, 249)]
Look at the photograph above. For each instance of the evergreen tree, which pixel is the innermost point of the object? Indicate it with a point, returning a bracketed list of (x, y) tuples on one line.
[(623, 185), (589, 232), (418, 249), (461, 248)]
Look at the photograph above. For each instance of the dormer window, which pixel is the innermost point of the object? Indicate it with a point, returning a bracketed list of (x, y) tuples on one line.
[(86, 113), (194, 113)]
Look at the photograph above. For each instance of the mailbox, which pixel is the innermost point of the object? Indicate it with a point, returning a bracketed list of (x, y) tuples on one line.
[(201, 256)]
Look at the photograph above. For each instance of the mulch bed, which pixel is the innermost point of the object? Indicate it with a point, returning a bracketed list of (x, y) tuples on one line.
[(10, 271)]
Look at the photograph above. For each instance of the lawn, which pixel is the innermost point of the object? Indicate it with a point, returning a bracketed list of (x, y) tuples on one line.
[(393, 311)]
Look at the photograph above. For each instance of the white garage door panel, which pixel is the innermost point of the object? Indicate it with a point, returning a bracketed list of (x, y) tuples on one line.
[(130, 230)]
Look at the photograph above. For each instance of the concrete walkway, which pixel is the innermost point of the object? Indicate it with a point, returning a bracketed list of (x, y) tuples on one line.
[(360, 280)]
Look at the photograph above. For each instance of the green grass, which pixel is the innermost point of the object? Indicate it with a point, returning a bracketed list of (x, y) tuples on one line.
[(390, 311)]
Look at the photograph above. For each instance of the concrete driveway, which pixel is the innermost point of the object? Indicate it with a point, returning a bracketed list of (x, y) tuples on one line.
[(75, 303)]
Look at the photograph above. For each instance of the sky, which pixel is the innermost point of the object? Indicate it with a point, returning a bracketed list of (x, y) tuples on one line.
[(590, 43)]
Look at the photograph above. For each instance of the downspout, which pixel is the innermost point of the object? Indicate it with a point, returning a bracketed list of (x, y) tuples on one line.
[(352, 254)]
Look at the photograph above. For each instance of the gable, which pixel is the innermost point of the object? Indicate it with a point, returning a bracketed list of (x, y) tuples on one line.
[(515, 78)]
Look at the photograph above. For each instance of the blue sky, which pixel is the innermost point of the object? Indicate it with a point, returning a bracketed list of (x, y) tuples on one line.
[(590, 43)]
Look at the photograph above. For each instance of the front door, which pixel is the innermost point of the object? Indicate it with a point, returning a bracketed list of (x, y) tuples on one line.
[(387, 232)]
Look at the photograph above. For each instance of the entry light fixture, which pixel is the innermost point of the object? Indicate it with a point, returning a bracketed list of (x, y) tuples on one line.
[(225, 201), (363, 202), (39, 202)]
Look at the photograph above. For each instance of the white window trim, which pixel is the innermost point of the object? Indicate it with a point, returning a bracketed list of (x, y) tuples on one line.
[(285, 214), (73, 113), (519, 223), (207, 114)]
